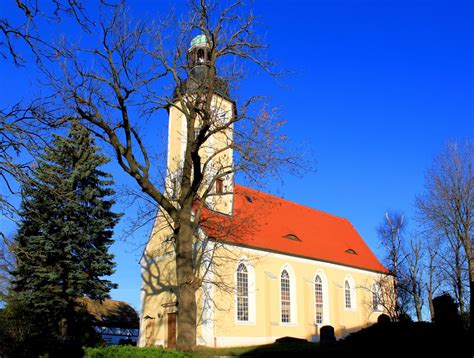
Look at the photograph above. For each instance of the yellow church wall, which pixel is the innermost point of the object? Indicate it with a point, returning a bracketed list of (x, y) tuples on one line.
[(217, 323), (158, 286), (266, 325)]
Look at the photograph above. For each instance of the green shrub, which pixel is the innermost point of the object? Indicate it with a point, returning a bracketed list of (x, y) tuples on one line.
[(132, 352)]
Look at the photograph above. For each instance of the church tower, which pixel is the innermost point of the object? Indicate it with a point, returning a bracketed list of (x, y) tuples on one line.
[(216, 152)]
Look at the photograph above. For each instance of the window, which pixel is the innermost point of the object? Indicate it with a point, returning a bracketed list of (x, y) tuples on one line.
[(200, 56), (174, 189), (221, 116), (219, 186), (292, 237), (242, 293), (197, 130), (318, 299), (376, 298), (285, 297), (347, 294)]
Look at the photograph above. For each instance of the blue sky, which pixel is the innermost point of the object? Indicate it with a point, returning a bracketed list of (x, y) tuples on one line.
[(378, 87)]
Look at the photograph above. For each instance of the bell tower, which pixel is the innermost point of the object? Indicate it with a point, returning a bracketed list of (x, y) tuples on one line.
[(199, 54), (216, 152)]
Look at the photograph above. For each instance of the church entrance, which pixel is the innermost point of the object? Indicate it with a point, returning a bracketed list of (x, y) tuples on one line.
[(171, 330)]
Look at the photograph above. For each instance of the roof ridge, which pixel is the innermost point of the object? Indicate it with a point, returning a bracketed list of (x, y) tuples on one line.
[(104, 300), (295, 203)]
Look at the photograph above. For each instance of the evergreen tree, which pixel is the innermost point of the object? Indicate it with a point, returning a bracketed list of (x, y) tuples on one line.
[(66, 228)]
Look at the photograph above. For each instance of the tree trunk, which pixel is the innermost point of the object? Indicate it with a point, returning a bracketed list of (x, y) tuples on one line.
[(186, 339), (417, 300), (471, 297), (430, 300), (459, 286)]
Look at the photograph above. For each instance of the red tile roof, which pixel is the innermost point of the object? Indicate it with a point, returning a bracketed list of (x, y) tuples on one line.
[(264, 221)]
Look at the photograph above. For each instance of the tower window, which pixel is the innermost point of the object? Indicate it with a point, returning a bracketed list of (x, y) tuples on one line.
[(197, 130), (200, 55), (219, 186)]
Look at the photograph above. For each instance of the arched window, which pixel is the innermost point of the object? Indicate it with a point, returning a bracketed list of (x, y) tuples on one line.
[(242, 293), (285, 297), (348, 294), (375, 298), (200, 56), (318, 299)]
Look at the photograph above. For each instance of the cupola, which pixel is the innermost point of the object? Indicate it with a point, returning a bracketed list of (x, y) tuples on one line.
[(199, 60), (199, 54)]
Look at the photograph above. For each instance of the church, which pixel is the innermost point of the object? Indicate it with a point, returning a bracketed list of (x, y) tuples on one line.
[(274, 268)]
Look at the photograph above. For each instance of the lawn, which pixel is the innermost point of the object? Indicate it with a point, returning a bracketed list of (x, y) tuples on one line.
[(268, 350)]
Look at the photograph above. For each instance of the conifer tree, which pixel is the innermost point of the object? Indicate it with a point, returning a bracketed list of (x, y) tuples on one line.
[(66, 229)]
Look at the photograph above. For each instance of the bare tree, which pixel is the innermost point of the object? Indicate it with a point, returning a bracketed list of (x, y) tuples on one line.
[(453, 271), (19, 31), (431, 266), (448, 205), (6, 265), (414, 258), (22, 132), (127, 78), (393, 286)]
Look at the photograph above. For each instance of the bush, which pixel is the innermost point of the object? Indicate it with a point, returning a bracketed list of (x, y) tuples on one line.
[(132, 352)]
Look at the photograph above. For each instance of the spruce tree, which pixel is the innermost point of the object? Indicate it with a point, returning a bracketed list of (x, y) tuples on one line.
[(66, 229)]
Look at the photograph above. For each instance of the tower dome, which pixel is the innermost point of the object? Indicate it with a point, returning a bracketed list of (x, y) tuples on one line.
[(199, 40)]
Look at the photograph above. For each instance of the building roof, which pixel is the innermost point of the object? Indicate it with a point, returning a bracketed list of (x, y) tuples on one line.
[(111, 313), (263, 221)]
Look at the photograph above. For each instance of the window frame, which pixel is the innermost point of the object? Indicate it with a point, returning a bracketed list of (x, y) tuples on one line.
[(376, 305), (353, 297), (293, 308), (285, 302), (251, 282), (318, 307), (219, 186), (246, 297), (347, 295)]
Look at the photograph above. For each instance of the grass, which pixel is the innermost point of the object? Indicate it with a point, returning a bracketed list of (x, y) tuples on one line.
[(202, 351), (267, 350), (132, 352), (293, 349)]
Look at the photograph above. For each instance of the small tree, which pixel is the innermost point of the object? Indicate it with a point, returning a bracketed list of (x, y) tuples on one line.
[(61, 248), (392, 287)]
